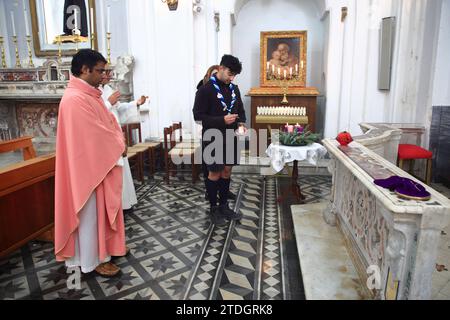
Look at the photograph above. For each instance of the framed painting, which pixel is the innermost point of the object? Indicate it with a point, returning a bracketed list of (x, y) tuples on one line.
[(53, 22), (283, 56)]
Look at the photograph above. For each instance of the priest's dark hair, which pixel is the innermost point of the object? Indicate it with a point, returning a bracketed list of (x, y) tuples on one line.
[(85, 57), (231, 63)]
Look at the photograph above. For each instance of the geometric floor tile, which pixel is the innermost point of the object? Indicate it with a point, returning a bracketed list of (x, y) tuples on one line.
[(176, 253)]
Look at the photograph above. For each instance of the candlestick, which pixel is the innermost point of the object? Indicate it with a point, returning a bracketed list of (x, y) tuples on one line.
[(92, 30), (296, 68), (108, 19), (30, 53), (273, 69), (284, 73), (13, 24), (3, 53), (59, 50), (108, 42), (75, 11), (301, 63), (290, 72), (18, 65), (279, 71), (25, 17)]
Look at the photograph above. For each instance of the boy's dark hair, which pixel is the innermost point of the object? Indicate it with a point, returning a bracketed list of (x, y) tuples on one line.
[(85, 57), (231, 63)]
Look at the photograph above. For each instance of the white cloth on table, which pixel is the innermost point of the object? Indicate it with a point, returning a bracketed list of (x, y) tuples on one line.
[(86, 239), (280, 154)]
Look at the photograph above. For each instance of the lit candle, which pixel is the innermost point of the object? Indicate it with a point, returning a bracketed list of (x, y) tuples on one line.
[(13, 24), (75, 14), (92, 20), (296, 68), (25, 16), (108, 19), (284, 73)]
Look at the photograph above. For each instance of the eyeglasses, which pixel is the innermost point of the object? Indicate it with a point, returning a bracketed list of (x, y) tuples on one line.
[(102, 71)]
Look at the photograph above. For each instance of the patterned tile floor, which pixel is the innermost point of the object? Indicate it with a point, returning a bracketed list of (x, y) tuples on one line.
[(177, 254)]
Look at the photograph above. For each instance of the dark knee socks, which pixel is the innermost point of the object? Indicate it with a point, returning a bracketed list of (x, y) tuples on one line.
[(224, 187), (212, 187)]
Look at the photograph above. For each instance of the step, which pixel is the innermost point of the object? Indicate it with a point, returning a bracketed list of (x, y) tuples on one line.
[(327, 270)]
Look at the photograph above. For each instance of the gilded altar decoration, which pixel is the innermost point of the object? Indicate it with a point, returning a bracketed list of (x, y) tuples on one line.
[(283, 58)]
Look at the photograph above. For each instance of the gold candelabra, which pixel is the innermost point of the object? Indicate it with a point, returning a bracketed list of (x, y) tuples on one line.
[(3, 53), (18, 65), (76, 33), (284, 80), (93, 41), (108, 46), (59, 41), (30, 53)]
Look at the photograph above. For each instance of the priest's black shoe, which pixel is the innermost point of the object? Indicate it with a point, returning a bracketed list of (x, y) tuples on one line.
[(216, 216), (230, 214)]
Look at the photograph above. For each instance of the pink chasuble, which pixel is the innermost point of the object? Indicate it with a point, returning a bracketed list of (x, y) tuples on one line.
[(88, 144)]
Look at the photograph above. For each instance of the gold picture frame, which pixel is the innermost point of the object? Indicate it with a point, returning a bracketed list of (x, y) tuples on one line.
[(284, 50), (45, 46)]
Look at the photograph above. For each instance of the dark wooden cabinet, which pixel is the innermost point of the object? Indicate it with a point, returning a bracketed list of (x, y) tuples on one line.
[(27, 196), (440, 144), (268, 110)]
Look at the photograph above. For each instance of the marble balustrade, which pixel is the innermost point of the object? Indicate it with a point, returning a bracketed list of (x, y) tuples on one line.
[(396, 236)]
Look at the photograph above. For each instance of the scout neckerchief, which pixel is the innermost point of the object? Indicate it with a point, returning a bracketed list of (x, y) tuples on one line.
[(220, 96)]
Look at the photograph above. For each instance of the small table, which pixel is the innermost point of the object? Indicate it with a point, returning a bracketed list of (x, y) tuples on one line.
[(280, 155)]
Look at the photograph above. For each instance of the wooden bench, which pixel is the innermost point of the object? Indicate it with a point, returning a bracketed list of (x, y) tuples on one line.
[(27, 192)]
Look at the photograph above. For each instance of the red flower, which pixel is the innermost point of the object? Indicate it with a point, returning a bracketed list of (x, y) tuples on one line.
[(344, 138)]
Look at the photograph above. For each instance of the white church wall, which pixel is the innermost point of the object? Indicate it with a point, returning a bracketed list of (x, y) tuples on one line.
[(441, 83), (119, 27), (352, 92), (256, 16), (164, 61)]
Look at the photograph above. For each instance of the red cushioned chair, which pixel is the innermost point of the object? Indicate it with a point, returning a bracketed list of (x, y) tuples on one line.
[(412, 152)]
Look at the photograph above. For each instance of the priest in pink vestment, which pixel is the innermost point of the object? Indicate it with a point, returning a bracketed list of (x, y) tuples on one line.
[(89, 222)]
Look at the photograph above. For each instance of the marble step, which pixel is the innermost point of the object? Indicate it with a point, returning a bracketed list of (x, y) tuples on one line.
[(327, 269)]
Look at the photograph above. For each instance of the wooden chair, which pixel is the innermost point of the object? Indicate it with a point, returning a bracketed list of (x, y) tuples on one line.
[(131, 128), (412, 152), (136, 164), (148, 148), (176, 148), (23, 143), (124, 128)]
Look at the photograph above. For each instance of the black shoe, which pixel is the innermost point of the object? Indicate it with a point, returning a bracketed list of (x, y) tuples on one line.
[(231, 195), (128, 211), (230, 214), (216, 216)]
